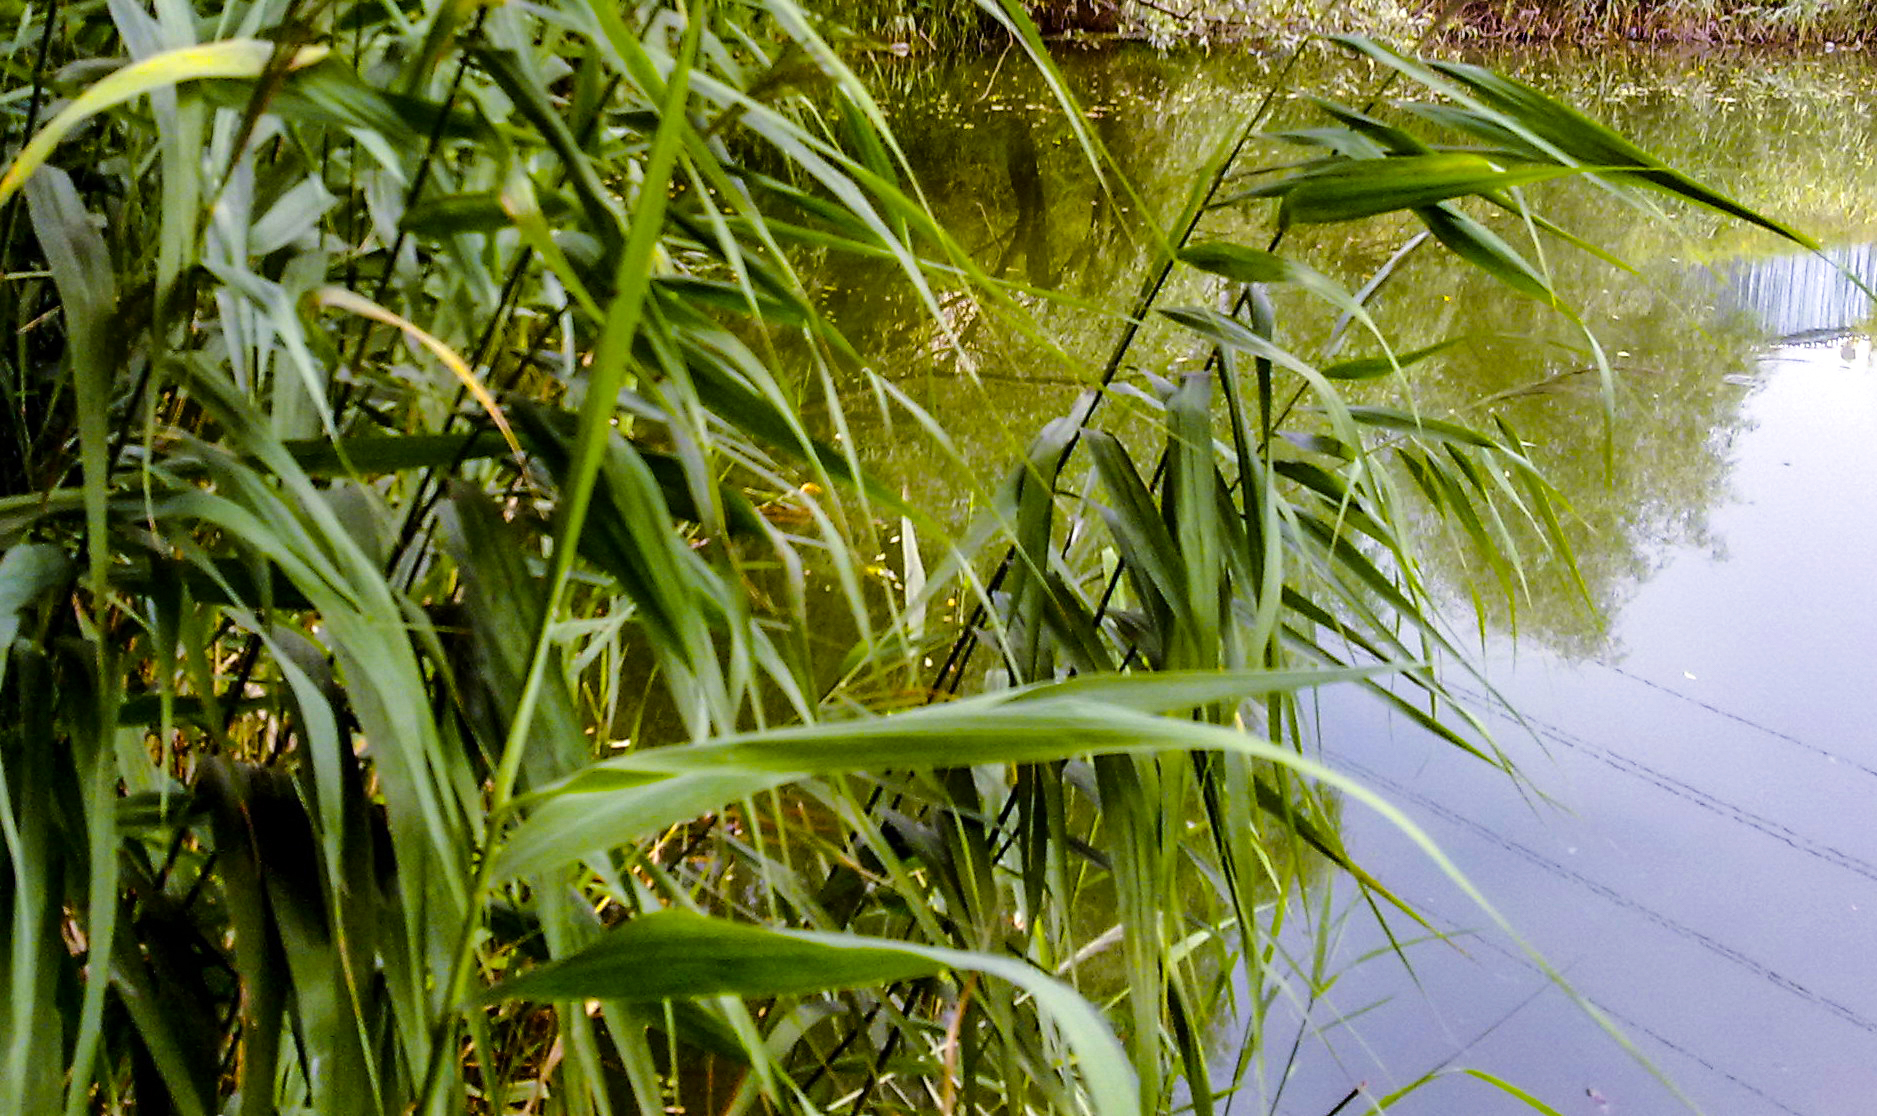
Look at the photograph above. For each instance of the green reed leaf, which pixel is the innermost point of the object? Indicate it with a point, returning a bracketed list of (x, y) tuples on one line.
[(232, 58), (675, 954), (1347, 191), (679, 955)]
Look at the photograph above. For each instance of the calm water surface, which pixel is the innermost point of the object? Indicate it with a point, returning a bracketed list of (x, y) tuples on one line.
[(1705, 870), (1709, 880)]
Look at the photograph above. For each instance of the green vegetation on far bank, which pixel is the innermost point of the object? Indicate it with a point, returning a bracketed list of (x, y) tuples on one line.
[(1796, 22), (943, 24)]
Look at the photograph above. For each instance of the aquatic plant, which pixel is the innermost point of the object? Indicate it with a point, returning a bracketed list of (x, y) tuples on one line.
[(450, 655)]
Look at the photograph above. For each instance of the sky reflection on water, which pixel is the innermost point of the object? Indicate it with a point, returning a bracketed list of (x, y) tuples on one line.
[(1710, 880)]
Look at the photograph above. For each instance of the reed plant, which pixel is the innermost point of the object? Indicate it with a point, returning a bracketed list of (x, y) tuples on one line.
[(455, 660)]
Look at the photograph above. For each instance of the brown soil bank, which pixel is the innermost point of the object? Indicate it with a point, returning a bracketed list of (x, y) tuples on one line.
[(1670, 21)]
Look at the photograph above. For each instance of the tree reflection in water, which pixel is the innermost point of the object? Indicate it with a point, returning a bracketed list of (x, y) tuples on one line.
[(1003, 169)]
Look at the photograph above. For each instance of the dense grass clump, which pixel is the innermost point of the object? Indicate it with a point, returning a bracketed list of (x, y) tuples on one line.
[(452, 658)]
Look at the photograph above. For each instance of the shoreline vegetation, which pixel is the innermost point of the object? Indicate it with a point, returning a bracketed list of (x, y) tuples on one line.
[(1829, 25), (1834, 24), (455, 659)]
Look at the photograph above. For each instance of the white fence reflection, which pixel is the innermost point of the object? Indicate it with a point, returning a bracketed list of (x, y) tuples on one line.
[(1803, 299)]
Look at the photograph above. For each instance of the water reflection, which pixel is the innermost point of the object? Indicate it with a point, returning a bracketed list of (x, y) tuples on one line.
[(1714, 889), (1804, 299), (1712, 886), (1004, 171)]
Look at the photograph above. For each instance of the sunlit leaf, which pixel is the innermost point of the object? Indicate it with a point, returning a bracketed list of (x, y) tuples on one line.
[(232, 58), (1346, 191)]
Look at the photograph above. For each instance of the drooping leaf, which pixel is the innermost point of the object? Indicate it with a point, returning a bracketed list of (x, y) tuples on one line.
[(1591, 143), (1369, 368), (27, 573), (1390, 418), (480, 212), (1252, 265), (1223, 330), (80, 263), (675, 954), (1484, 249), (331, 93), (678, 955), (1354, 189), (230, 58), (1168, 691)]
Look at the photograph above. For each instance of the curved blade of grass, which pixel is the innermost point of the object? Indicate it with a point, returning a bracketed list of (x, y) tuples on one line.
[(231, 58), (580, 817), (1168, 691), (328, 92), (1252, 265), (674, 954), (1015, 19), (635, 795), (341, 299), (1347, 191), (1532, 1102), (1556, 130), (1135, 522), (80, 263), (1587, 141), (602, 212), (1369, 368), (1391, 139), (1389, 418), (26, 572), (1486, 250)]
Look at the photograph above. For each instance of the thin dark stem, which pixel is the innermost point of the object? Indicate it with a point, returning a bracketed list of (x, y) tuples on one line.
[(42, 56), (430, 487), (411, 197), (951, 672), (17, 390), (886, 1052)]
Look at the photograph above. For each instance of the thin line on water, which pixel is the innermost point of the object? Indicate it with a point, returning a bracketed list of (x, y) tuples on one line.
[(1457, 929), (1712, 945), (1754, 725), (1688, 792)]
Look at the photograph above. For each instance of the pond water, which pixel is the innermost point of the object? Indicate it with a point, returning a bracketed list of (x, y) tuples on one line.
[(1710, 879), (1705, 870)]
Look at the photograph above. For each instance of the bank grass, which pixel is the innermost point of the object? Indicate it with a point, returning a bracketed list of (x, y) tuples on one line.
[(1810, 23), (939, 26), (455, 658)]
